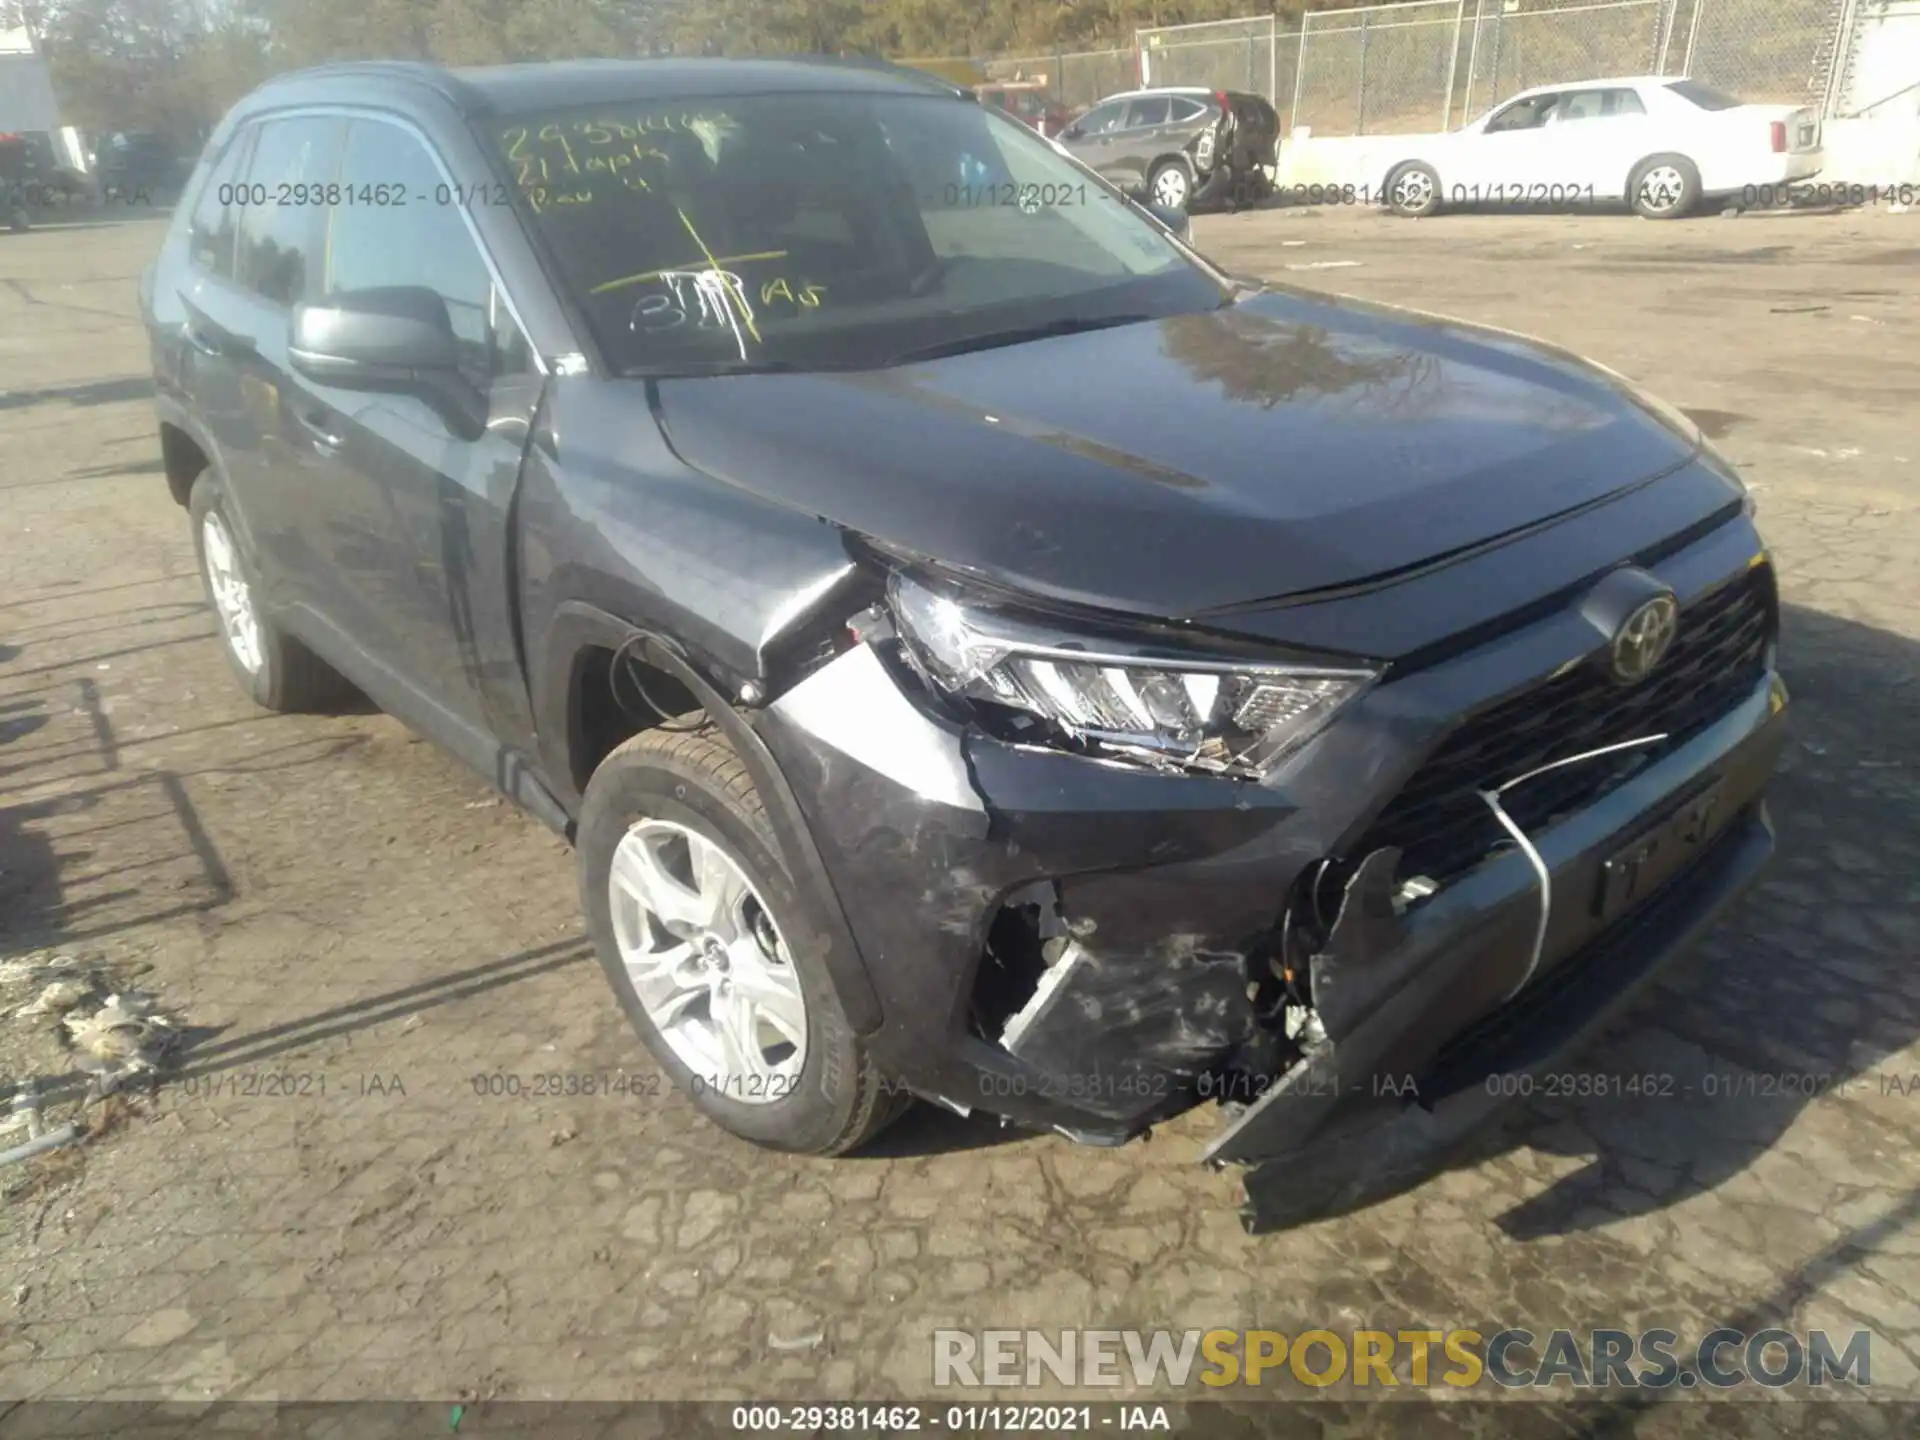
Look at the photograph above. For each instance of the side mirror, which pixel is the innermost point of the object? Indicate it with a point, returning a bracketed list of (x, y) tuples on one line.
[(1177, 221), (1072, 132), (388, 339), (397, 339)]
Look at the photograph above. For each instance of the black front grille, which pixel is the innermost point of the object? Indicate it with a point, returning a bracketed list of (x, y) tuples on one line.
[(1444, 827)]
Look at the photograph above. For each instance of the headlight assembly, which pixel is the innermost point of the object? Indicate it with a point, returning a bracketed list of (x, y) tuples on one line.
[(1225, 717)]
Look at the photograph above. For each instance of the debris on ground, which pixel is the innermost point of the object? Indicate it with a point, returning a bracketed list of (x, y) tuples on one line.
[(798, 1342), (57, 998), (125, 1037), (26, 1112), (52, 1140), (66, 1056)]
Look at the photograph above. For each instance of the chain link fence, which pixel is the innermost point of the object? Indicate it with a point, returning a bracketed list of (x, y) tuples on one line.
[(1378, 68), (1426, 64), (1256, 55), (1075, 78), (1418, 65), (1513, 48), (1771, 51), (1880, 74)]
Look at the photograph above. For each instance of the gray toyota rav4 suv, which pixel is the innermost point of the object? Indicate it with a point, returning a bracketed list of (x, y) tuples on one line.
[(978, 649)]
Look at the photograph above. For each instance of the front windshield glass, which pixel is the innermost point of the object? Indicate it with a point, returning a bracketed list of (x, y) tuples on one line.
[(816, 231)]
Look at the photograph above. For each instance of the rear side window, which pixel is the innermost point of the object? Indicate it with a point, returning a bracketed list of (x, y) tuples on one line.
[(284, 217), (1705, 96), (210, 234), (1597, 105), (1185, 110), (1149, 110)]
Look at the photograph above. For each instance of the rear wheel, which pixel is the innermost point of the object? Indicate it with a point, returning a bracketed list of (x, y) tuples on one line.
[(1170, 185), (1664, 187), (277, 671), (1413, 190)]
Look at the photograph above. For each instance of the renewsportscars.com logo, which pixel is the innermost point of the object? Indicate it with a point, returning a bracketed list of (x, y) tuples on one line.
[(1512, 1358)]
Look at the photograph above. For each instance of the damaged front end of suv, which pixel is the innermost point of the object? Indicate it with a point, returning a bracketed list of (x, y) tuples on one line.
[(1101, 873)]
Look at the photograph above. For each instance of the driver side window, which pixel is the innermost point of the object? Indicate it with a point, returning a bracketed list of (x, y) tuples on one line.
[(419, 244), (1528, 114), (1102, 119)]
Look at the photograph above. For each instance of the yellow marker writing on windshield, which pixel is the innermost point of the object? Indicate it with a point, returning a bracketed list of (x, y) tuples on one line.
[(723, 262), (734, 299)]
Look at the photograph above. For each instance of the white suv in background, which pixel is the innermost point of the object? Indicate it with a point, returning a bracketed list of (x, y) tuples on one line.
[(1659, 143)]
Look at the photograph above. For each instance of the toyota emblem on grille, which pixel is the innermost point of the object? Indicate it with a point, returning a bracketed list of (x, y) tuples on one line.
[(1644, 638)]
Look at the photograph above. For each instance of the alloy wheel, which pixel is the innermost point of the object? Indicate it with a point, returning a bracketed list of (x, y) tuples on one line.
[(232, 595), (1661, 188), (1170, 188), (1413, 190), (710, 967)]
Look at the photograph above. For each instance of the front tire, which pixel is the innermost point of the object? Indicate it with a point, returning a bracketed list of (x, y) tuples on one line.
[(276, 671), (1413, 190), (1664, 187), (691, 913)]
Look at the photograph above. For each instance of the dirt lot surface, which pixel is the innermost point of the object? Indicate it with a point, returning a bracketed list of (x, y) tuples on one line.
[(329, 901)]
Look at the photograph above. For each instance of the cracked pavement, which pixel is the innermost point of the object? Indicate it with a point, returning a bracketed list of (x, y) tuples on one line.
[(333, 903)]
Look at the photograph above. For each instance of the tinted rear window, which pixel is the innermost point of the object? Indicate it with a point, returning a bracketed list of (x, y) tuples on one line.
[(1705, 96)]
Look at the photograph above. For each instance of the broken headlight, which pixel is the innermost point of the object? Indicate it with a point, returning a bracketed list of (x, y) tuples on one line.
[(1221, 716)]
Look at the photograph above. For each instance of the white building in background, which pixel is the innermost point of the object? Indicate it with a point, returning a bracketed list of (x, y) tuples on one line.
[(27, 100), (1873, 137), (26, 89)]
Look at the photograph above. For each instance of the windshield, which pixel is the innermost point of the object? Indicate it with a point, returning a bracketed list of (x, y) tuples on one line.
[(815, 231)]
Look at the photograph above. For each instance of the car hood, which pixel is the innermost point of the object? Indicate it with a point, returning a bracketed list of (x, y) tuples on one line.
[(1286, 444)]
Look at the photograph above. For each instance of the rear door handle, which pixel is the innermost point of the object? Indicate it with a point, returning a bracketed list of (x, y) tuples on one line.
[(324, 441)]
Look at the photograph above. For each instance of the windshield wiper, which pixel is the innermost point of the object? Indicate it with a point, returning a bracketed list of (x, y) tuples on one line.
[(993, 338), (702, 369)]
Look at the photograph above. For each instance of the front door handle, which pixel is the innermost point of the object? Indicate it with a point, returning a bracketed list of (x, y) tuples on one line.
[(323, 440), (201, 343)]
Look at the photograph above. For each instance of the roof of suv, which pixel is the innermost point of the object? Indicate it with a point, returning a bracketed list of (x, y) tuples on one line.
[(509, 89)]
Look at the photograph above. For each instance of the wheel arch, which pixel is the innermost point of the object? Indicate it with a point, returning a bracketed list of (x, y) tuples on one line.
[(185, 452), (580, 636)]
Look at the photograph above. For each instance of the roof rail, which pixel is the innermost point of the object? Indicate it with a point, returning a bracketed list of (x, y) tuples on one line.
[(890, 67), (422, 72)]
